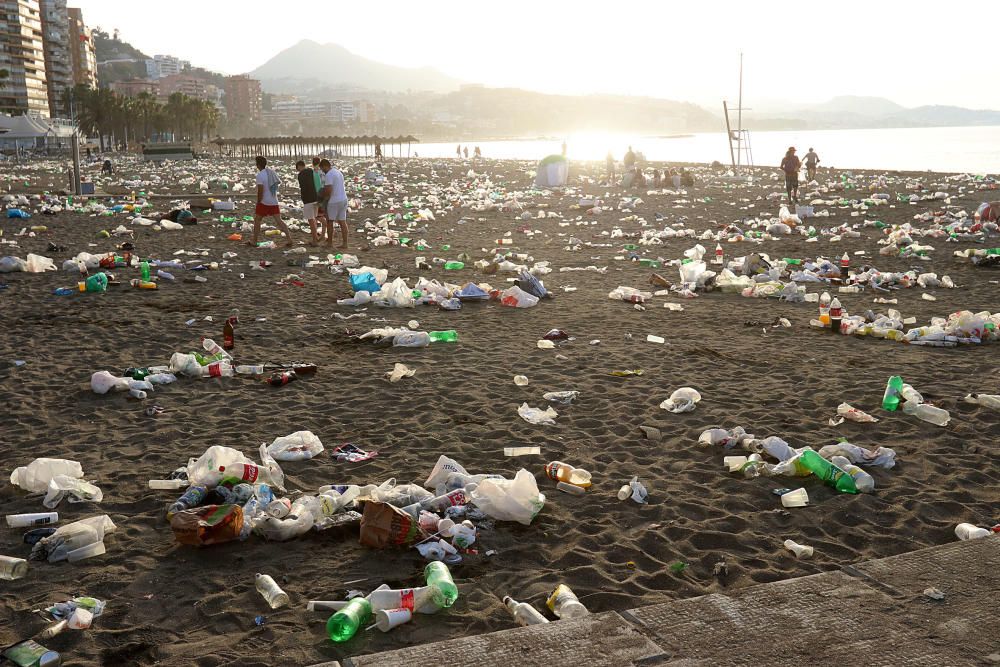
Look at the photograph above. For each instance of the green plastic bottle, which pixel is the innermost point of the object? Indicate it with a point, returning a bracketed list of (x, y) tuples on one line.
[(450, 336), (144, 270), (829, 473), (454, 266), (893, 391), (345, 623), (443, 588)]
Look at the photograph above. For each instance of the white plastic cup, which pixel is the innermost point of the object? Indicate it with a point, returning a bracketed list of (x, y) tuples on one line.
[(37, 519), (387, 619), (796, 498), (12, 568), (800, 550), (734, 463), (93, 549)]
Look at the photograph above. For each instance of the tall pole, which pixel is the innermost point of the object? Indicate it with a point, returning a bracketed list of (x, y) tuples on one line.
[(729, 135), (76, 149), (739, 109)]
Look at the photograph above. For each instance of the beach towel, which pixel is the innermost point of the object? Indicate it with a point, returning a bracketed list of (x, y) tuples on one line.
[(273, 182)]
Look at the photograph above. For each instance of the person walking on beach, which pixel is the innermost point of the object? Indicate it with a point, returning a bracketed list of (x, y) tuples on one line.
[(791, 165), (458, 151), (564, 149), (466, 151), (267, 200), (336, 209), (629, 160), (310, 197), (477, 153), (811, 161)]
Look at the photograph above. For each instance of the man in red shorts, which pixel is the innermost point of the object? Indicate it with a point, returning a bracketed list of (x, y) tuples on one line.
[(267, 201)]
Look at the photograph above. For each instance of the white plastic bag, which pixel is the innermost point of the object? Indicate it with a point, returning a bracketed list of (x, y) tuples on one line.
[(546, 417), (73, 536), (298, 446), (510, 500), (38, 264), (35, 476), (682, 400), (518, 298), (74, 489)]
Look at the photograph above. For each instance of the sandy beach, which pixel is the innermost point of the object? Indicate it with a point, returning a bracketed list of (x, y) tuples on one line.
[(171, 604)]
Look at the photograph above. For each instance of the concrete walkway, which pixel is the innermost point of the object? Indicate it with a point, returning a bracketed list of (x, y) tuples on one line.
[(871, 613)]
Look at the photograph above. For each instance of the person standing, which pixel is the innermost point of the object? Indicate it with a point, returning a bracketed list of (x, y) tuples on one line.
[(310, 197), (791, 164), (458, 151), (466, 151), (336, 209), (629, 160), (477, 153), (811, 161), (267, 200)]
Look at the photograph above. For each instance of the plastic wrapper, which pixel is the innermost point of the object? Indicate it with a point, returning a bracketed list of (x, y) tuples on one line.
[(510, 500)]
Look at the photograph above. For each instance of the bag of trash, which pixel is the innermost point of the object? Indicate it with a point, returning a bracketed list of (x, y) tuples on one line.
[(510, 500), (402, 495), (72, 488), (204, 470), (209, 524), (364, 282), (443, 468), (360, 298), (517, 298), (396, 294), (381, 275), (71, 537), (692, 271), (532, 285), (298, 446), (382, 526), (299, 520), (471, 292), (35, 476), (10, 264), (38, 264), (682, 400)]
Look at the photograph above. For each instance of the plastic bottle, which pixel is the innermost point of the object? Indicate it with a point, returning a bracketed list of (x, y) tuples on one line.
[(218, 369), (247, 472), (523, 613), (412, 339), (828, 472), (824, 308), (194, 496), (36, 519), (564, 603), (345, 623), (415, 599), (95, 283), (908, 393), (250, 369), (845, 265), (928, 413), (719, 256), (449, 336), (142, 284), (14, 568), (438, 577), (229, 334), (967, 531), (454, 266), (893, 391), (213, 348), (836, 315), (561, 472), (270, 590), (985, 400), (144, 270), (281, 379), (167, 484), (164, 275), (863, 482)]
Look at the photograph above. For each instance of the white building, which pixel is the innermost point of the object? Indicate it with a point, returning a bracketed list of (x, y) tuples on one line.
[(160, 66)]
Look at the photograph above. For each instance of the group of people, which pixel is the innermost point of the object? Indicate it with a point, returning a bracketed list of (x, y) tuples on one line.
[(324, 200), (459, 151), (792, 165)]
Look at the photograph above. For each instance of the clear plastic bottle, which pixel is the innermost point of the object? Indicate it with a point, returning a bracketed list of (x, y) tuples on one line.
[(250, 369), (420, 600), (564, 603), (561, 472), (523, 613), (985, 400), (863, 482), (824, 308), (270, 591), (12, 568), (928, 413)]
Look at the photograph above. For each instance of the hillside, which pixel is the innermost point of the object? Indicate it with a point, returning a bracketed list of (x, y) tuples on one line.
[(112, 48), (298, 65)]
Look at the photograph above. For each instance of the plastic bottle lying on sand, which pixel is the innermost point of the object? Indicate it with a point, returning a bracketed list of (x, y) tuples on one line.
[(443, 589), (928, 413), (985, 400), (564, 603), (523, 612), (967, 531), (561, 472), (271, 592), (863, 482), (345, 623)]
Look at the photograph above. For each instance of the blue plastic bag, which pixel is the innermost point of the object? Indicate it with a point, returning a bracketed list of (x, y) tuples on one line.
[(17, 213), (365, 282)]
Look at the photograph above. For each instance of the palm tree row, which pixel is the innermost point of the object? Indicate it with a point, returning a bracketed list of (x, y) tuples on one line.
[(120, 119)]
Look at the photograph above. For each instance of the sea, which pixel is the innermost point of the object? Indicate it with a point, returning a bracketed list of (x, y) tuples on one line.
[(974, 150)]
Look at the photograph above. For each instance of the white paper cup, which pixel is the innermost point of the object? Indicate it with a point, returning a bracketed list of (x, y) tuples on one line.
[(734, 463), (796, 498), (387, 619)]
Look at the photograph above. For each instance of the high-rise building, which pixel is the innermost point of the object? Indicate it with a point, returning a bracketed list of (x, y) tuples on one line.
[(191, 86), (160, 66), (58, 62), (243, 98), (83, 54), (22, 59)]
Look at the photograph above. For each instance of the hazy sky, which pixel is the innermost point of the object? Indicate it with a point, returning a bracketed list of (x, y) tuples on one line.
[(915, 52)]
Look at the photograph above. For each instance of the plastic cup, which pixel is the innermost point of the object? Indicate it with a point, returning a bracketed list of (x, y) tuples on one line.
[(94, 549), (796, 498), (734, 463), (387, 619)]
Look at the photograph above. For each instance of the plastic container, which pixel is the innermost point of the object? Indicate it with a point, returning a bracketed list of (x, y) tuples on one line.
[(387, 619), (800, 550), (967, 531), (15, 568), (271, 592), (37, 519), (167, 484), (89, 551), (796, 498), (564, 603)]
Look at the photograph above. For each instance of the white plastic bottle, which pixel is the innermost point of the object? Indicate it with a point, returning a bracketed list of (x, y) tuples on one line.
[(37, 519), (967, 531), (985, 400), (928, 413), (214, 348), (419, 600), (523, 613), (270, 590)]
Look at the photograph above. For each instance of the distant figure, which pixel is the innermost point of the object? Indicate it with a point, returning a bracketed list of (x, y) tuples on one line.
[(791, 164), (466, 151), (811, 161), (378, 151), (106, 168), (675, 179), (267, 200), (88, 152), (478, 153), (309, 195), (687, 180), (334, 192), (638, 180), (71, 175), (458, 151), (320, 202), (629, 159), (656, 178), (564, 149)]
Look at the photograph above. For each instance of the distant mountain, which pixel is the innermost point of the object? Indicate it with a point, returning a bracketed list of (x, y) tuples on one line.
[(855, 112), (333, 65), (944, 115), (861, 106)]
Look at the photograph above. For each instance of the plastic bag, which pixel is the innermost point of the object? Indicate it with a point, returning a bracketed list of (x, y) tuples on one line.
[(35, 476), (102, 382), (210, 524), (364, 282), (518, 298), (443, 467), (10, 264), (204, 470), (536, 416), (74, 489), (38, 264), (692, 271), (396, 294), (360, 298), (381, 275), (510, 500), (72, 536), (881, 457), (531, 285), (682, 400), (298, 446)]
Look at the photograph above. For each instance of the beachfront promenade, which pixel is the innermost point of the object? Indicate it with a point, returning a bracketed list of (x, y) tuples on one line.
[(873, 613)]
